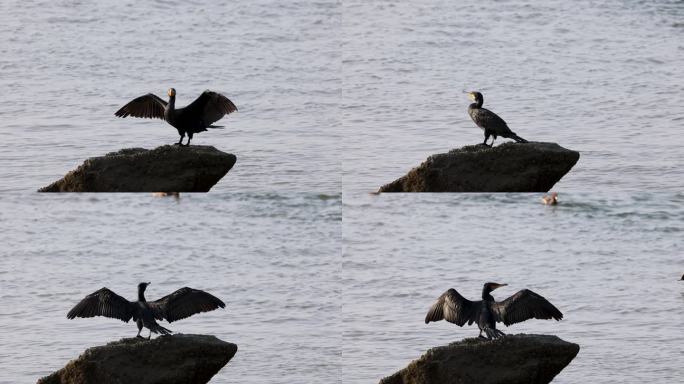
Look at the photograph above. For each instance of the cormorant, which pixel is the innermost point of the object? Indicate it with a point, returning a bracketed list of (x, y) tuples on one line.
[(183, 303), (490, 122), (196, 117), (524, 305), (551, 199)]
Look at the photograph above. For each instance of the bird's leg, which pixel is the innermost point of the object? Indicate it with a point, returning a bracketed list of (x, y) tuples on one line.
[(182, 135), (492, 144), (486, 138), (480, 336), (138, 335), (150, 335), (189, 138)]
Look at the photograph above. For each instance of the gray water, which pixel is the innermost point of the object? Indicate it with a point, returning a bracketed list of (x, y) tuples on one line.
[(611, 263), (67, 66), (346, 96), (273, 259), (603, 78)]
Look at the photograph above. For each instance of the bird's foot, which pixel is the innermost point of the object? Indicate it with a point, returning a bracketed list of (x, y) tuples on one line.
[(139, 337), (481, 337)]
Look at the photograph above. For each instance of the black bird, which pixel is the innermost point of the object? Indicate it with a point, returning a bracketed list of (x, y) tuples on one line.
[(490, 122), (196, 117), (524, 305), (183, 303)]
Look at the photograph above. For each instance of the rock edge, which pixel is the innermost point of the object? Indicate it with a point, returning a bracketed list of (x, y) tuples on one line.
[(168, 168), (509, 167), (166, 359), (534, 359)]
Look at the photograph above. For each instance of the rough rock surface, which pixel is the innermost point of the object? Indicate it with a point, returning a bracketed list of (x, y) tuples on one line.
[(509, 167), (169, 168), (514, 359), (187, 359)]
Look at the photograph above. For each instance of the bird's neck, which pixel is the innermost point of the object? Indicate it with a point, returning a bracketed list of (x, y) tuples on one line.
[(141, 295), (486, 295), (169, 111), (476, 104)]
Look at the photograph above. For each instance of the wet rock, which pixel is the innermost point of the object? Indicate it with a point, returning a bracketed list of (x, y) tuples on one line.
[(169, 168), (187, 359), (509, 167), (514, 359)]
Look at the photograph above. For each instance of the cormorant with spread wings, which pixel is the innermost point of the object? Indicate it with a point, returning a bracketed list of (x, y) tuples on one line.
[(196, 117), (524, 305), (183, 303)]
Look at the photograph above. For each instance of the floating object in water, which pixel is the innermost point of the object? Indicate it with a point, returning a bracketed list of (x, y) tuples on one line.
[(551, 199)]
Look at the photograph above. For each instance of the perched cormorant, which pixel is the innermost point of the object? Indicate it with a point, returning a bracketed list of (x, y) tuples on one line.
[(524, 305), (183, 303), (490, 122), (551, 199), (196, 117)]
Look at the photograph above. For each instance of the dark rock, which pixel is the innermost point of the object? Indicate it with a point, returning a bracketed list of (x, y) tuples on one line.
[(514, 359), (169, 168), (509, 167), (187, 359)]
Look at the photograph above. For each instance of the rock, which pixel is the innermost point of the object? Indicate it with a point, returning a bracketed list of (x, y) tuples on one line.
[(533, 359), (171, 359), (509, 167), (169, 168)]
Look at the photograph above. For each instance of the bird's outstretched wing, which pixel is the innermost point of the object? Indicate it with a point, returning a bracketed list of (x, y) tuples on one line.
[(454, 308), (525, 305), (148, 106), (211, 107), (103, 303), (183, 303)]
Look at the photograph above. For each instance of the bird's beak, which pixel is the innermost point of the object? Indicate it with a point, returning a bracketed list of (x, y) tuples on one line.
[(471, 96), (499, 286), (148, 283)]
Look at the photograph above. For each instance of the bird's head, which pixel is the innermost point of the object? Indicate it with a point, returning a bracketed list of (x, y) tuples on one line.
[(475, 96), (143, 286), (492, 286), (172, 92)]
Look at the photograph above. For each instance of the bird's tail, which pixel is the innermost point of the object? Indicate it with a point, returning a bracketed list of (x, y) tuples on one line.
[(160, 330), (216, 126), (518, 138)]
